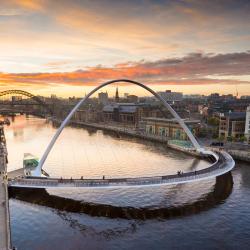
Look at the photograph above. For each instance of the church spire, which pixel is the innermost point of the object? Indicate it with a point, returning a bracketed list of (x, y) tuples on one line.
[(116, 95)]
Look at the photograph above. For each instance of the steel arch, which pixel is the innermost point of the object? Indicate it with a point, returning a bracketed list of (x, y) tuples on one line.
[(67, 119), (25, 93)]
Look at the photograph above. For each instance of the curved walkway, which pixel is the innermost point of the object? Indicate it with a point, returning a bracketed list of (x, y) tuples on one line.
[(223, 164)]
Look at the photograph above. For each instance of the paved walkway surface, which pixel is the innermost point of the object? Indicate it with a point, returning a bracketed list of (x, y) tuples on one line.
[(15, 173), (4, 212)]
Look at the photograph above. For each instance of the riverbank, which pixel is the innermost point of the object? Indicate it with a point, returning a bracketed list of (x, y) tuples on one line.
[(137, 134), (236, 154), (5, 233), (239, 155)]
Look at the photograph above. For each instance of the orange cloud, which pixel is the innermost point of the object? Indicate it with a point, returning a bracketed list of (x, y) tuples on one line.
[(193, 69), (30, 4)]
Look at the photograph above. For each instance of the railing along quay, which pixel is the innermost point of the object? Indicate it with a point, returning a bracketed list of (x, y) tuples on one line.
[(5, 233)]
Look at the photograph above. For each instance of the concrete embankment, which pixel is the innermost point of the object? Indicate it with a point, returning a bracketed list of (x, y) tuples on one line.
[(239, 154), (121, 130), (5, 235)]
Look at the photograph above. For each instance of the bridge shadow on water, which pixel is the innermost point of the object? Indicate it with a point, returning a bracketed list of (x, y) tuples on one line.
[(219, 193)]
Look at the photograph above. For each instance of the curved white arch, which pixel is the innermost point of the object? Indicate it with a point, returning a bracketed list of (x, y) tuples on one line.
[(67, 119)]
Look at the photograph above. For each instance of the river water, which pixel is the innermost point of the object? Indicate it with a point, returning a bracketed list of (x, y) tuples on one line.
[(212, 214)]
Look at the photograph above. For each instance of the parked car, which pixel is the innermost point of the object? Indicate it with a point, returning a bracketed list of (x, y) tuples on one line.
[(217, 144)]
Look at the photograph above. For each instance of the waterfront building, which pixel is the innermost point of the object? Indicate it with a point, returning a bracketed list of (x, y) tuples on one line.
[(170, 96), (103, 98), (16, 98), (132, 98), (193, 96), (87, 115), (232, 124), (247, 125), (169, 128), (214, 97), (127, 113), (131, 113), (245, 97)]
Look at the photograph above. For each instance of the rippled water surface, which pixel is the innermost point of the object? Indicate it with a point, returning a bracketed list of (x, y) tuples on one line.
[(204, 215)]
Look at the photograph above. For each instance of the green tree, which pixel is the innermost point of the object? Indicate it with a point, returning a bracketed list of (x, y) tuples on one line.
[(221, 138), (213, 121), (242, 138)]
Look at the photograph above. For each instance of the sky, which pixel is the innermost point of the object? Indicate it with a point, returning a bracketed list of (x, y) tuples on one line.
[(67, 47)]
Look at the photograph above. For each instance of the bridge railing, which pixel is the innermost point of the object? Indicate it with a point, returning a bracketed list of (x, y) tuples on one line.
[(219, 166)]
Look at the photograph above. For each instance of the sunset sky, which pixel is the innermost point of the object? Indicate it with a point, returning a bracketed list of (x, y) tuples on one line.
[(67, 47)]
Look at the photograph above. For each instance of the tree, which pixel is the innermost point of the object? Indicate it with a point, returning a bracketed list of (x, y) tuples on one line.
[(213, 121), (242, 138), (221, 138)]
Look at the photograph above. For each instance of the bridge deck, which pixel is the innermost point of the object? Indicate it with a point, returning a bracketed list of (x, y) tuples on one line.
[(224, 164)]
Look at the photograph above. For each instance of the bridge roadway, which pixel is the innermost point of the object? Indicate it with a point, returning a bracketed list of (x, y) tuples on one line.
[(222, 165)]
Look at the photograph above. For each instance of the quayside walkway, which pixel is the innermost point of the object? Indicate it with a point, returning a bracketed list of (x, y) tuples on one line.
[(222, 165), (5, 241)]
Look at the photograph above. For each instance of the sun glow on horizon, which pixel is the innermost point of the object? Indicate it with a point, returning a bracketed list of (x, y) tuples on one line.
[(180, 45)]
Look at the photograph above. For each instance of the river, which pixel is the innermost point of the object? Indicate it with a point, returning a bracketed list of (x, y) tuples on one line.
[(210, 214)]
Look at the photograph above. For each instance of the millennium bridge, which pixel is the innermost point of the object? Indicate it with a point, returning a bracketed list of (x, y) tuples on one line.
[(221, 163)]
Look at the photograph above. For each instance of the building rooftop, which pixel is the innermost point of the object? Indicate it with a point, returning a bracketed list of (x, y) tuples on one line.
[(235, 115), (169, 120), (123, 107)]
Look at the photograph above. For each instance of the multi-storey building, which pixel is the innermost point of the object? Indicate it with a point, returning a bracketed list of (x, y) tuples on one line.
[(87, 115), (131, 113), (247, 125), (170, 96), (169, 128), (103, 98), (127, 113), (232, 124), (132, 98)]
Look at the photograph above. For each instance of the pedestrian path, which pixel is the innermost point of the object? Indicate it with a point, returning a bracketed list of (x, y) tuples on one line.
[(4, 206)]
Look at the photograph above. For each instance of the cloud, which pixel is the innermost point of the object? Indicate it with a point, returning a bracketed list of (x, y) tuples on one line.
[(56, 64), (192, 69), (10, 13), (34, 5), (106, 32)]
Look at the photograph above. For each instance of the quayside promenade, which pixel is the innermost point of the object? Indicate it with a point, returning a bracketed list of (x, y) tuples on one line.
[(127, 131), (5, 239)]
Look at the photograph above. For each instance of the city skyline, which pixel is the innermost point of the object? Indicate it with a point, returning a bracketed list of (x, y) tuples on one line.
[(67, 48)]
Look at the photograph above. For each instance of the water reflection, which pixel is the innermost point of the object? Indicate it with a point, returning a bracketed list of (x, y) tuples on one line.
[(221, 190), (43, 219), (93, 153)]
